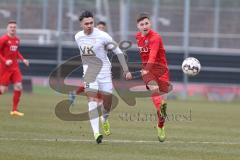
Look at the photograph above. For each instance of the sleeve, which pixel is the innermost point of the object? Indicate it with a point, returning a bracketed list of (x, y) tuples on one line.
[(19, 55), (109, 43), (155, 45), (77, 37), (2, 59)]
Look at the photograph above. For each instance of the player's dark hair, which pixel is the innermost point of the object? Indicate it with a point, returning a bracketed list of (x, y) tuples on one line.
[(85, 14), (12, 22), (142, 16), (102, 23)]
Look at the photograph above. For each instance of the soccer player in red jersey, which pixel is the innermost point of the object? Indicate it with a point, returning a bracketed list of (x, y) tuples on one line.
[(154, 68), (10, 71)]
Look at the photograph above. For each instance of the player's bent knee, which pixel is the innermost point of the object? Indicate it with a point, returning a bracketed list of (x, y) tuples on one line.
[(153, 88), (2, 90), (18, 86)]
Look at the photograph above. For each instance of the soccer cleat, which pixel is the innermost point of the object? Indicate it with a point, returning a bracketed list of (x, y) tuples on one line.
[(106, 128), (16, 113), (98, 137), (72, 97), (163, 110), (161, 134)]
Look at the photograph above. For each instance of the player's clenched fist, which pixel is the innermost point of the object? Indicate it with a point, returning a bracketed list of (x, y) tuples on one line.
[(8, 62), (128, 76), (26, 62)]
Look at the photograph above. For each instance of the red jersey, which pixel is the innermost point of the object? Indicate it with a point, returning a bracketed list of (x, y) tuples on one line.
[(9, 51), (151, 50)]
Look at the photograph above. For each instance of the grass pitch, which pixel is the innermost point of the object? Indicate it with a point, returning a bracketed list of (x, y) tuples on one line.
[(195, 130)]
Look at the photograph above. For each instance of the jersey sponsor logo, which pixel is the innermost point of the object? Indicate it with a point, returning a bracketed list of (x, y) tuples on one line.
[(87, 50), (143, 49), (13, 48)]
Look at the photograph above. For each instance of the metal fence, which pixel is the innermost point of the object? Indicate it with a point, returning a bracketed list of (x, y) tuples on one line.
[(182, 23)]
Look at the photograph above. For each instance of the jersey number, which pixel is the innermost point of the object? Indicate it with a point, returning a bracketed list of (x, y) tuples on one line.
[(87, 85)]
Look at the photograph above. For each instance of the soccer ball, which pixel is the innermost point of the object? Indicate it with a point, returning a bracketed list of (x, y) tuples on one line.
[(191, 66)]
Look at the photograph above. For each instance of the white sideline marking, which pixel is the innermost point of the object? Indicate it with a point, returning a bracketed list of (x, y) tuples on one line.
[(119, 141)]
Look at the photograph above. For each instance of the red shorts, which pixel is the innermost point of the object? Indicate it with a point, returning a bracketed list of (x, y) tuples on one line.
[(10, 76), (162, 81)]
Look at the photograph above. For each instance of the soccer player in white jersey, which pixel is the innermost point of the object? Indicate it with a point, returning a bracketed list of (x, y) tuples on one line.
[(101, 25), (97, 70)]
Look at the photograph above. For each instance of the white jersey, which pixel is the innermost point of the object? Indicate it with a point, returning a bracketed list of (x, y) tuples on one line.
[(93, 52)]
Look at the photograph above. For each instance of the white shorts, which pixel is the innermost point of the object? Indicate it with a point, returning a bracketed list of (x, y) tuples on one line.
[(103, 84)]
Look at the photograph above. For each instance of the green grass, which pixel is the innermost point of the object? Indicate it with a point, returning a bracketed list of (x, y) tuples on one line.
[(211, 131)]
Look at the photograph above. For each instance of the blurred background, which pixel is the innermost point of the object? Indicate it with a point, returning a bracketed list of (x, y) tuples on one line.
[(206, 29)]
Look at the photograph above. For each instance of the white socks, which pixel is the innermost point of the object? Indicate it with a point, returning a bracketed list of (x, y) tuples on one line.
[(93, 115)]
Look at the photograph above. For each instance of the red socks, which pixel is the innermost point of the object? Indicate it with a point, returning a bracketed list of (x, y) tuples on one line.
[(16, 98), (80, 90), (157, 101)]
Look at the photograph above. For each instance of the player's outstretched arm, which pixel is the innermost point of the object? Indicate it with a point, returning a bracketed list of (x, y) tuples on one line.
[(25, 61), (124, 65), (120, 56)]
